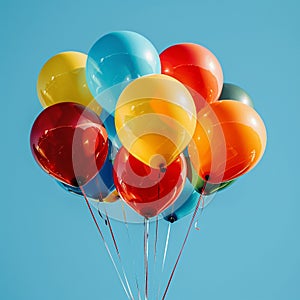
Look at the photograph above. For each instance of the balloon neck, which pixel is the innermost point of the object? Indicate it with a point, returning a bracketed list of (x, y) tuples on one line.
[(78, 181), (201, 191), (205, 188), (148, 213), (162, 168), (172, 218)]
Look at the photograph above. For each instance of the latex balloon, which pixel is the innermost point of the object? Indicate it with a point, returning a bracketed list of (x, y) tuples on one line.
[(197, 68), (229, 140), (69, 142), (115, 60), (188, 199), (62, 79), (155, 119), (233, 92), (147, 190), (184, 204), (99, 187), (109, 123), (112, 197), (201, 186), (205, 188)]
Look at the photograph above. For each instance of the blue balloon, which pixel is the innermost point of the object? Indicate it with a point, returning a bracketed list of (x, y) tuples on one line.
[(184, 205), (109, 124), (101, 185), (114, 61)]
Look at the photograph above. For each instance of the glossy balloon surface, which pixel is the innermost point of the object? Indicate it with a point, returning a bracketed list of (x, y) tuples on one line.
[(205, 188), (197, 68), (91, 193), (109, 123), (62, 79), (147, 190), (229, 140), (115, 60), (233, 92), (155, 119), (69, 142), (184, 204), (200, 185), (99, 187)]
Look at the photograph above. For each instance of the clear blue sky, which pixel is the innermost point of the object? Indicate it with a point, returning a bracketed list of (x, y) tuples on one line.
[(248, 246)]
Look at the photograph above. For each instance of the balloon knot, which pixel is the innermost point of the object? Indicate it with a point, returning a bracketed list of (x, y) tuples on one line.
[(162, 168), (172, 218), (78, 181)]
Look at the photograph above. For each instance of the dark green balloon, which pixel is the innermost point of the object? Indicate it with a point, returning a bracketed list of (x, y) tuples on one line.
[(233, 92), (200, 185), (206, 188)]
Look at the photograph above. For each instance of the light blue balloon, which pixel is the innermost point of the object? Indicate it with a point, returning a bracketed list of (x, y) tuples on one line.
[(109, 123), (114, 61), (185, 204)]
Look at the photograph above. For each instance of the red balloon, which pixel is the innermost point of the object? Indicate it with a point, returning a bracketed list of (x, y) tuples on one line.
[(147, 190), (197, 68), (69, 142)]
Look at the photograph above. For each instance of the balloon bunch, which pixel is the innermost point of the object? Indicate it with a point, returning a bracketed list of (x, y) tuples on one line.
[(159, 129), (154, 132)]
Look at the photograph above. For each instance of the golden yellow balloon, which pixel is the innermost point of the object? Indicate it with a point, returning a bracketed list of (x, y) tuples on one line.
[(62, 79), (155, 119)]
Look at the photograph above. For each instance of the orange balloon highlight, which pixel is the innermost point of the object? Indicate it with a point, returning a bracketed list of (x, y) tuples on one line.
[(229, 140)]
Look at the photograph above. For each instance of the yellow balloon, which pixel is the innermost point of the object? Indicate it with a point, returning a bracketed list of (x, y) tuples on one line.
[(62, 79), (112, 197), (155, 119)]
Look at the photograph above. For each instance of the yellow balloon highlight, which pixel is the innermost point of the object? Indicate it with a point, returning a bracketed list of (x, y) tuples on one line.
[(62, 79), (155, 119), (112, 197)]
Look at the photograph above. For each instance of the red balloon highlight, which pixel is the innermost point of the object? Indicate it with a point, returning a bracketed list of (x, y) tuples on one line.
[(197, 68), (147, 190), (69, 142)]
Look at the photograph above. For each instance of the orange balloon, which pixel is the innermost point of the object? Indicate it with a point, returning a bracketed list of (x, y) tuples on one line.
[(229, 140)]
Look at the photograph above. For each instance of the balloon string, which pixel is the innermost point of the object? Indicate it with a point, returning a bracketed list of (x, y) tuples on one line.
[(130, 243), (155, 243), (201, 211), (118, 253), (164, 257), (103, 239), (112, 234), (99, 213), (156, 238), (183, 245), (166, 247), (146, 245), (124, 216)]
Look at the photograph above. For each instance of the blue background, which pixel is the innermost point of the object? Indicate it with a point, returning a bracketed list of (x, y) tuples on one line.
[(248, 246)]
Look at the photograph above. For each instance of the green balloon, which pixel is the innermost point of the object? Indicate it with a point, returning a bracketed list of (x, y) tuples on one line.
[(233, 92), (206, 188), (200, 185)]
